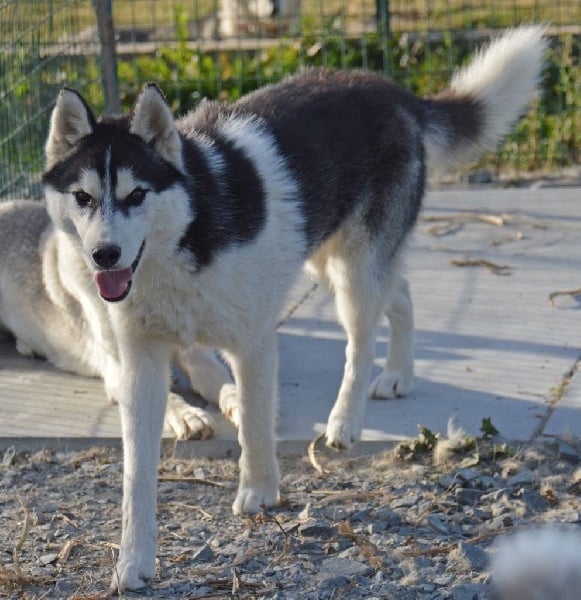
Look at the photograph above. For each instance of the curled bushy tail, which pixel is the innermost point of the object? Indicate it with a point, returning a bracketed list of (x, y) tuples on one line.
[(484, 98)]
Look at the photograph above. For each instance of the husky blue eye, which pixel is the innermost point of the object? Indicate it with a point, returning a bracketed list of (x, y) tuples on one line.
[(82, 198), (136, 197)]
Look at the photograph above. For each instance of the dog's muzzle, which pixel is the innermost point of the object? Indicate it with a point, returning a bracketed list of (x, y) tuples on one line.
[(114, 285)]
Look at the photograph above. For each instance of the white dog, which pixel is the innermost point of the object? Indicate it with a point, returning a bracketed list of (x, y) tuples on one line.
[(194, 231), (48, 303)]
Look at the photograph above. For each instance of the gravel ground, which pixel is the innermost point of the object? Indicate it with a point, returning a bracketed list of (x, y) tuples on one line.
[(393, 525)]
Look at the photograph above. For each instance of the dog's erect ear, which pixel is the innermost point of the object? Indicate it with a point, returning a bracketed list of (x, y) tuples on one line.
[(71, 120), (154, 124)]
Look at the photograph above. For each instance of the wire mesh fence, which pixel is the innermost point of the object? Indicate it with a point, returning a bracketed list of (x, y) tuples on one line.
[(225, 48)]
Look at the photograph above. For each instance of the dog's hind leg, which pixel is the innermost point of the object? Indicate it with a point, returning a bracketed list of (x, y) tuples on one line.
[(206, 373), (359, 299), (211, 379), (397, 377)]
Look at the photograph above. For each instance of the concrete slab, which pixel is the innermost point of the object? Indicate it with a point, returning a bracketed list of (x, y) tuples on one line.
[(488, 344)]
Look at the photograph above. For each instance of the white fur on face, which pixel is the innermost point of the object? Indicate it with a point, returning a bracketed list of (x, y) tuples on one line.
[(126, 183)]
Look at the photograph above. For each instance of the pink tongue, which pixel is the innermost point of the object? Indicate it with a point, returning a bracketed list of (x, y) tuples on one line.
[(112, 284)]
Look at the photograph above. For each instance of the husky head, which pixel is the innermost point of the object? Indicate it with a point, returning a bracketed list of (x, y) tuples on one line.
[(116, 186)]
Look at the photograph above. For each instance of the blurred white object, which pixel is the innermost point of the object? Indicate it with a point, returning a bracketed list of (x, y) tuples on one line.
[(541, 564)]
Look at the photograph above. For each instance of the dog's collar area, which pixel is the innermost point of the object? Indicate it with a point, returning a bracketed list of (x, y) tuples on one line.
[(108, 280)]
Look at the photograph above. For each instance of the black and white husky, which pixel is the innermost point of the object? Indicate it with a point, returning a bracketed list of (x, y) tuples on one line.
[(194, 230)]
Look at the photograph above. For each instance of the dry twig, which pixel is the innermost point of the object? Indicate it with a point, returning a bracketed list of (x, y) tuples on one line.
[(571, 293), (197, 480), (368, 549), (22, 539), (67, 549), (205, 513), (311, 453), (481, 262)]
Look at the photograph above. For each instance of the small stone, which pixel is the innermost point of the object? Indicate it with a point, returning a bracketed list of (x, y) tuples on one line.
[(66, 586), (334, 513), (467, 474), (467, 496), (471, 591), (437, 523), (385, 514), (345, 567), (202, 591), (338, 581), (184, 588), (203, 554), (485, 482), (376, 527), (47, 559), (422, 562), (352, 552), (534, 501), (525, 477), (447, 480), (317, 529), (496, 496), (42, 571), (500, 522), (360, 515), (405, 502), (443, 579), (474, 555)]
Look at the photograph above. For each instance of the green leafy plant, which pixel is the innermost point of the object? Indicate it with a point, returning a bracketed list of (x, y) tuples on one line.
[(487, 428)]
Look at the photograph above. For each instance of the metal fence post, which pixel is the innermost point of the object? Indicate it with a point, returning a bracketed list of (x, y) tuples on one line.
[(382, 16), (104, 12)]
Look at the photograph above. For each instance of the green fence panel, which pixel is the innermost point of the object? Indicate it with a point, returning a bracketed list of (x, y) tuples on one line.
[(217, 49)]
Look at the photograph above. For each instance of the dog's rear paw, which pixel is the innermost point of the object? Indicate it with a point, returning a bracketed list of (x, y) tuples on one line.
[(252, 500), (229, 403), (342, 431), (129, 576), (188, 422), (392, 384)]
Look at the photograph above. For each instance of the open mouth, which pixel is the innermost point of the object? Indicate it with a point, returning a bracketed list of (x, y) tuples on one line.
[(115, 286)]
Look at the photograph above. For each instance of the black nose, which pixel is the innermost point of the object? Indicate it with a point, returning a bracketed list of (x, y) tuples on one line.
[(106, 256)]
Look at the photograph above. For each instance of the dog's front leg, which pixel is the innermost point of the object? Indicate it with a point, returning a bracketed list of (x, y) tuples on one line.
[(255, 369), (142, 401)]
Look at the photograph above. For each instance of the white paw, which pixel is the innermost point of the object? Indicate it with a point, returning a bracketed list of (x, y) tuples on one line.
[(112, 393), (254, 499), (131, 575), (392, 384), (343, 430), (188, 422), (229, 403)]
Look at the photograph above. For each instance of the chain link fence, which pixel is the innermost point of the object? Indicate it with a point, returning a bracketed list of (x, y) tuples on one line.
[(225, 48)]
